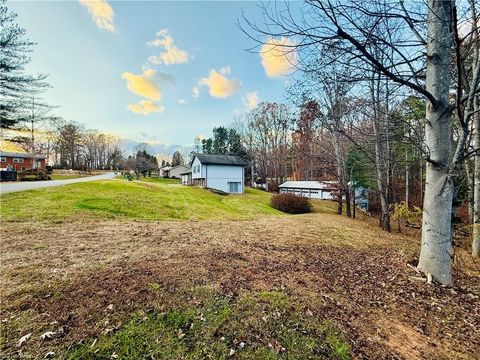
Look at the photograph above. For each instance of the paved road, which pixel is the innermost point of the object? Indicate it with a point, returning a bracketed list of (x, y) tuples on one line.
[(32, 185)]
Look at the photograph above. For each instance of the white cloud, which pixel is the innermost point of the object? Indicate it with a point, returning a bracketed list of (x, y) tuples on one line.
[(182, 101), (251, 100), (145, 107), (195, 92), (171, 55), (219, 85), (278, 57), (101, 13), (144, 85)]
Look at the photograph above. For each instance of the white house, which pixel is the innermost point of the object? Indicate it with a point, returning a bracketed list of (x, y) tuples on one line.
[(220, 172), (311, 189)]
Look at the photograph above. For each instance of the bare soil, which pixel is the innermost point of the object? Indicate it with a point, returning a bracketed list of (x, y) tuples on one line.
[(86, 278)]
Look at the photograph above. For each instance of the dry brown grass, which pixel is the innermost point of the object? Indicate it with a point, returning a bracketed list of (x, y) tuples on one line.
[(346, 271)]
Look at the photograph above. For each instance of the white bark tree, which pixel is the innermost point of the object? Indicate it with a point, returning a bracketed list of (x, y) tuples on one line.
[(399, 52)]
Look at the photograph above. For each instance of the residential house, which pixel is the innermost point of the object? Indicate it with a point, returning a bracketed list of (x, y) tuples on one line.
[(177, 171), (21, 161), (220, 172), (163, 171)]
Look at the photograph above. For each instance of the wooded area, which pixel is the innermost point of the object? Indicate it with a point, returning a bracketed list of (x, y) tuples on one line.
[(368, 69)]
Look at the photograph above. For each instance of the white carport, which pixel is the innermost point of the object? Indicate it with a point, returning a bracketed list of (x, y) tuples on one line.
[(312, 189)]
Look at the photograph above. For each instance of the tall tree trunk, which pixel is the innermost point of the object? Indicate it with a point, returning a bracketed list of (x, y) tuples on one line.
[(436, 249), (380, 166), (407, 180), (348, 202), (354, 202), (340, 202), (476, 189), (470, 174)]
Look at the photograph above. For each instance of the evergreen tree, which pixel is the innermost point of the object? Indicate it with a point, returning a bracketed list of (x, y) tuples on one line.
[(16, 86)]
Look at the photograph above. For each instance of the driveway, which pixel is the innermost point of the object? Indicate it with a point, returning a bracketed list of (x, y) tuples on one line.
[(32, 185)]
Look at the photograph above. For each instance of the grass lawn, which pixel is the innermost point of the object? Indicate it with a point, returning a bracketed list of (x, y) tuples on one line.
[(66, 177), (224, 278), (153, 199), (216, 328)]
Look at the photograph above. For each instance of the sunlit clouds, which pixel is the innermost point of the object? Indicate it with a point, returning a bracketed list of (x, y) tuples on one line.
[(251, 100), (146, 85), (171, 54), (219, 85), (143, 85), (101, 13), (278, 57), (145, 107)]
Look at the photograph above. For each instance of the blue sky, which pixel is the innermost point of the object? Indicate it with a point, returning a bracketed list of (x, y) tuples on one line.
[(93, 52)]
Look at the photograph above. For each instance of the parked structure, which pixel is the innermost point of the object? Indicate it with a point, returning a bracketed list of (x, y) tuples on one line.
[(21, 161), (312, 189), (220, 172), (325, 190)]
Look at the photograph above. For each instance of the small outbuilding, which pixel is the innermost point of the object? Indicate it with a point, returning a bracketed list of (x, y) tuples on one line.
[(312, 189), (220, 172)]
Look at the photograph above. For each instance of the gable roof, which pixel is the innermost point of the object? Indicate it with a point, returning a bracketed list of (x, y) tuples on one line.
[(187, 167), (219, 159), (20, 155)]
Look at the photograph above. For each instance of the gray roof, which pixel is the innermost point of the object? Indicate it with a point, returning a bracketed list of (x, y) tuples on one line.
[(20, 155), (220, 159), (181, 165), (320, 185)]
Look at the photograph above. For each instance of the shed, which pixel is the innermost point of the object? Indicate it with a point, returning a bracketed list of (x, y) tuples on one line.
[(311, 189)]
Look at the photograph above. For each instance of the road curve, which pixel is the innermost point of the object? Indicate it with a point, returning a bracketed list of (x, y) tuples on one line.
[(7, 187)]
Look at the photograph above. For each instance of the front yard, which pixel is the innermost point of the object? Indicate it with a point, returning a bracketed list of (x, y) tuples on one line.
[(92, 266)]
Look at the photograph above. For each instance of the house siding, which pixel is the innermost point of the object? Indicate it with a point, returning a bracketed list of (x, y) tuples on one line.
[(176, 171), (218, 176), (25, 163)]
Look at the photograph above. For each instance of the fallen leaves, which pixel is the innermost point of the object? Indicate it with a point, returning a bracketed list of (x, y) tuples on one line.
[(23, 340)]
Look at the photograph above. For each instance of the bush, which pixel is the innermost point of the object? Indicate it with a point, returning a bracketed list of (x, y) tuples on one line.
[(290, 203), (32, 175)]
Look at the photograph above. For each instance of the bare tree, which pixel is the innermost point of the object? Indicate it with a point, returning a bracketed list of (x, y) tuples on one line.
[(413, 50)]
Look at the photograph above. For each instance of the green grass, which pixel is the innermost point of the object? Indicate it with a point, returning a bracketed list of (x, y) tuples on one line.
[(266, 325), (66, 177), (155, 199)]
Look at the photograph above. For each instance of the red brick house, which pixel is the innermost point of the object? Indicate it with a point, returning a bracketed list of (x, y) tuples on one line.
[(21, 161)]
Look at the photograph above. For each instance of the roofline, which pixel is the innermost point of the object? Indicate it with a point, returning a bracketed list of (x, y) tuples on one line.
[(21, 155), (214, 163), (174, 167)]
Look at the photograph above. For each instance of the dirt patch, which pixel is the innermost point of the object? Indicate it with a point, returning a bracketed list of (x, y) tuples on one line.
[(88, 277)]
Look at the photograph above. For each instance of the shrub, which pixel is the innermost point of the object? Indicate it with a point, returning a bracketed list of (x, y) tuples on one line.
[(32, 175), (290, 203)]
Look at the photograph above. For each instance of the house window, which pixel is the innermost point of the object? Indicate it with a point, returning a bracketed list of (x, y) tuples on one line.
[(18, 160), (3, 159), (234, 187)]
